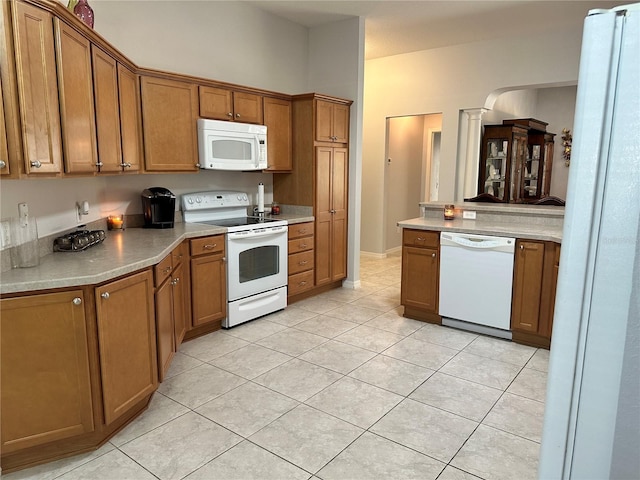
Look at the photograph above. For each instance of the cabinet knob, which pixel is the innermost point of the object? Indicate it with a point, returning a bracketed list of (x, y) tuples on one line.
[(302, 284), (303, 245), (303, 262), (105, 295), (224, 259), (99, 164), (302, 231), (433, 255), (208, 246), (237, 115), (166, 270), (125, 165), (3, 164), (332, 211), (36, 163), (521, 247), (77, 301), (229, 114)]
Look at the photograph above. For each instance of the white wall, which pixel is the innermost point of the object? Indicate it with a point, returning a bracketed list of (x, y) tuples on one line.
[(228, 41), (448, 80), (513, 104)]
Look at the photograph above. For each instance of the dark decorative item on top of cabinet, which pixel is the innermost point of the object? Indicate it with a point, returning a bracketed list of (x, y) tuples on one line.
[(84, 12), (516, 160)]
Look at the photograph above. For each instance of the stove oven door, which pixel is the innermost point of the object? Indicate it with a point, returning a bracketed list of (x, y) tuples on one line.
[(256, 261)]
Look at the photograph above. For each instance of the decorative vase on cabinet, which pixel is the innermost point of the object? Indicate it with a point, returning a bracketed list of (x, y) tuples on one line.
[(83, 11)]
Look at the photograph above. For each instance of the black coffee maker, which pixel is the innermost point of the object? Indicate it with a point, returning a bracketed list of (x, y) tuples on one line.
[(158, 206)]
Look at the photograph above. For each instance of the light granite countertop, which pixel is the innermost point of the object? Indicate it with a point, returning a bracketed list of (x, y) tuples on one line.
[(122, 252), (517, 229)]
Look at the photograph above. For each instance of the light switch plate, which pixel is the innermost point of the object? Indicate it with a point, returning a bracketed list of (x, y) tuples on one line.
[(469, 214)]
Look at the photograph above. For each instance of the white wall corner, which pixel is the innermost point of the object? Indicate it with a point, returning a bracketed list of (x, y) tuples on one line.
[(470, 139)]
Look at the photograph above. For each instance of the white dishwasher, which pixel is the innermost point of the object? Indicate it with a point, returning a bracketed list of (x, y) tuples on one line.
[(476, 279)]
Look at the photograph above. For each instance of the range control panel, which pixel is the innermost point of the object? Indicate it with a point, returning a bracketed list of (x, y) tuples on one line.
[(212, 200)]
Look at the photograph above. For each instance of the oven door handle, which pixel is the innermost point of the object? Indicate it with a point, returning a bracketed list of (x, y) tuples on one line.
[(249, 236)]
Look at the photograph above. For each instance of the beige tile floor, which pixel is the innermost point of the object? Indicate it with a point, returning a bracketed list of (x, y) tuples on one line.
[(339, 386)]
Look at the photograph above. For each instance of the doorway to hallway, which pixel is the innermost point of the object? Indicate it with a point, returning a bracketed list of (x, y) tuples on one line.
[(412, 165)]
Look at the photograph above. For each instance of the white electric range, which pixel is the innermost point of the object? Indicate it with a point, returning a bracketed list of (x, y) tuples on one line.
[(256, 251)]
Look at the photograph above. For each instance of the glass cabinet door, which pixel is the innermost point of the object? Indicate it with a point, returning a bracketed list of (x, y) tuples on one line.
[(495, 168)]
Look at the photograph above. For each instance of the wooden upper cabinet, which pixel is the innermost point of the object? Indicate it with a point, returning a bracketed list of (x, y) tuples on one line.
[(332, 122), (277, 118), (225, 104), (105, 87), (77, 114), (169, 115), (37, 89), (130, 121), (46, 389)]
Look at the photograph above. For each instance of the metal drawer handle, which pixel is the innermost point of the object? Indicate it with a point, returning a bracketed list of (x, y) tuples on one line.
[(304, 262), (302, 231), (420, 239), (208, 246), (77, 301), (105, 295), (302, 283), (175, 281), (303, 245), (166, 270), (36, 163), (99, 164), (125, 165)]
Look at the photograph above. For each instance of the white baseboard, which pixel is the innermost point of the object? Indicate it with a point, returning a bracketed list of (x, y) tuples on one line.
[(372, 254), (353, 285), (393, 250)]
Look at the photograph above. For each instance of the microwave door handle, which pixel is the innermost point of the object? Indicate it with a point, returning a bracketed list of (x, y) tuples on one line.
[(257, 144)]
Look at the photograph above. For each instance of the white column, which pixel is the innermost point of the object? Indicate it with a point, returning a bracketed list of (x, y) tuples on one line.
[(470, 138)]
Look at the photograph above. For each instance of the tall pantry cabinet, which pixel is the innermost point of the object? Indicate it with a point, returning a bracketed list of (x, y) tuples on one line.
[(320, 178)]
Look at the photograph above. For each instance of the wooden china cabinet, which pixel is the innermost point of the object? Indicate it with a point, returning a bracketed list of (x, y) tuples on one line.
[(516, 160)]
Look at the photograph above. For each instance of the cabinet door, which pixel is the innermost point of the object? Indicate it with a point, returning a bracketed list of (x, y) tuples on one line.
[(420, 278), (208, 289), (164, 327), (277, 118), (324, 119), (340, 123), (105, 88), (131, 126), (180, 298), (323, 215), (37, 89), (4, 150), (169, 114), (75, 81), (127, 341), (45, 388), (216, 103), (339, 200), (247, 107), (527, 286)]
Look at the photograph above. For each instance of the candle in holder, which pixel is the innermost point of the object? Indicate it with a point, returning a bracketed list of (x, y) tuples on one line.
[(449, 212), (115, 222)]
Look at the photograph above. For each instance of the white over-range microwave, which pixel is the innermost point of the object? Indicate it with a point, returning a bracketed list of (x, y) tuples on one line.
[(231, 145)]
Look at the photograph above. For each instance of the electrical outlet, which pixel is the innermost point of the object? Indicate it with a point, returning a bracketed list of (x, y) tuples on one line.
[(23, 213), (469, 214), (5, 234)]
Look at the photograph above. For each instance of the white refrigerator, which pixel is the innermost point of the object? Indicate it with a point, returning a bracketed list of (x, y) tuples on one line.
[(592, 418)]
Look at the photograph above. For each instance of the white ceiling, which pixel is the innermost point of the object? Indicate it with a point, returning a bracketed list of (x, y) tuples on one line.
[(395, 26)]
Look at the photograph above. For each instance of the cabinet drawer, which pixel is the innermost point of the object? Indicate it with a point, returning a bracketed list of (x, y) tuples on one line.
[(300, 282), (206, 245), (162, 270), (420, 238), (299, 262), (298, 230), (300, 245), (179, 254)]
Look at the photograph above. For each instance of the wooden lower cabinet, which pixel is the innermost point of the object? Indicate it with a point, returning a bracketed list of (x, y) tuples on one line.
[(171, 300), (420, 274), (301, 259), (208, 283), (127, 341), (45, 383), (534, 290)]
